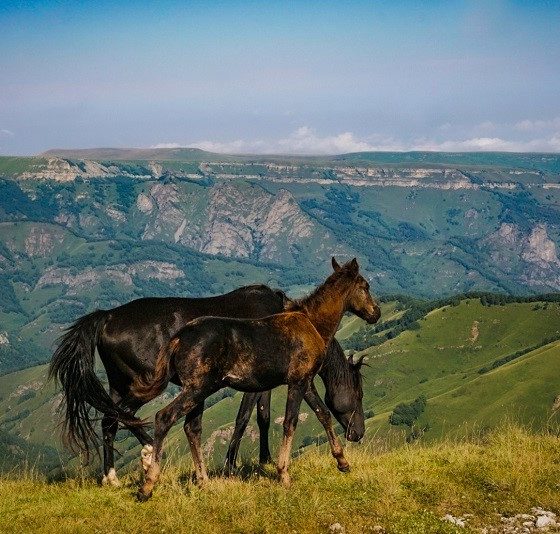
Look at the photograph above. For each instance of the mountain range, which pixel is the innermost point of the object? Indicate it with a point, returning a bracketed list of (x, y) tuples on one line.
[(443, 238)]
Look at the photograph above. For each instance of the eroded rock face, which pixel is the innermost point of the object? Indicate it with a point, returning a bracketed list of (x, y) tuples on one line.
[(77, 281), (234, 220), (535, 253), (41, 241), (144, 204), (255, 223), (539, 248)]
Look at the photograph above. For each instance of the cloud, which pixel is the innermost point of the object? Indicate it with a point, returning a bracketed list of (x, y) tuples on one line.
[(537, 125), (302, 141), (168, 145), (6, 133), (305, 141), (492, 144)]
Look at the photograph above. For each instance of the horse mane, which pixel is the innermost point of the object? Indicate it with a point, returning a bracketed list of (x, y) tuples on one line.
[(336, 367), (319, 295)]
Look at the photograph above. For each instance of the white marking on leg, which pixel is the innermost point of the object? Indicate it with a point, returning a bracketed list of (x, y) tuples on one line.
[(111, 479), (146, 456)]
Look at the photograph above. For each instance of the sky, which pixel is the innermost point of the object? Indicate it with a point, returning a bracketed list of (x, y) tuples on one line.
[(309, 77)]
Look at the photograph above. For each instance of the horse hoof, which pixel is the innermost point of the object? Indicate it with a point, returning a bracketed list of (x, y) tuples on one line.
[(146, 456), (143, 497), (110, 479), (344, 468)]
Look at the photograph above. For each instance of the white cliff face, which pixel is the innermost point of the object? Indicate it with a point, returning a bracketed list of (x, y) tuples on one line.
[(540, 249), (534, 253), (234, 220), (62, 170), (41, 242), (447, 178)]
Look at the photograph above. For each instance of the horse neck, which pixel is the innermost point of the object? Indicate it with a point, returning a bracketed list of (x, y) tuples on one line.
[(335, 367), (325, 308)]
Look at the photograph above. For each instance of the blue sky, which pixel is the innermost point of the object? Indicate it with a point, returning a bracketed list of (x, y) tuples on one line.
[(290, 77)]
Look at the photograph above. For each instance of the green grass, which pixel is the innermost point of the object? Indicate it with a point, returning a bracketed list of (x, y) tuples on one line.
[(12, 166), (405, 490)]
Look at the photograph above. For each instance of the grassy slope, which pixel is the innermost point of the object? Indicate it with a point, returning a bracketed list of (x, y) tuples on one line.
[(437, 360), (406, 490)]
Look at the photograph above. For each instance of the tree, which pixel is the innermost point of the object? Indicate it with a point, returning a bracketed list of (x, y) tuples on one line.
[(407, 414)]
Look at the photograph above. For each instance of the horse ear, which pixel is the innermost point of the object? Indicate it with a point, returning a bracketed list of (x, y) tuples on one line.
[(351, 358), (361, 361), (353, 266), (335, 264)]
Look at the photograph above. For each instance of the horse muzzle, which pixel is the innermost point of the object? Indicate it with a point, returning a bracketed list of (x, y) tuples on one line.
[(352, 435)]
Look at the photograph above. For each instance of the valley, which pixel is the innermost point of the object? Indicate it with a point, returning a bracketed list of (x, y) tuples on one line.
[(462, 250)]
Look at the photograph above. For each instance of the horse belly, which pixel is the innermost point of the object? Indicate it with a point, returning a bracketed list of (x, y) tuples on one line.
[(254, 380)]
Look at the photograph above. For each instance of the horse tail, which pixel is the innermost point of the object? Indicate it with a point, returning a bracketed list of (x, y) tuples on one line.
[(146, 388), (73, 366)]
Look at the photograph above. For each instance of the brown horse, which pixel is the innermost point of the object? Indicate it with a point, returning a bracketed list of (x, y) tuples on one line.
[(256, 355)]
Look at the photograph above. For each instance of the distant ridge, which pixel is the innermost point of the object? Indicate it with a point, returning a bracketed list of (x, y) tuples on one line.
[(127, 154), (543, 162)]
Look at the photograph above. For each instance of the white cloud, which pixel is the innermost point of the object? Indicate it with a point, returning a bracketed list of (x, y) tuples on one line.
[(6, 133), (538, 125), (492, 144), (305, 140), (302, 141), (168, 145), (486, 126)]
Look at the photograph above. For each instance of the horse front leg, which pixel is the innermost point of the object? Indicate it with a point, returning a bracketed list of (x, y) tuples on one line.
[(243, 415), (193, 431), (293, 403), (322, 412), (263, 422)]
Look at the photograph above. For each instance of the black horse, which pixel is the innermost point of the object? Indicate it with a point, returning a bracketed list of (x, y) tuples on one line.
[(254, 355), (128, 339)]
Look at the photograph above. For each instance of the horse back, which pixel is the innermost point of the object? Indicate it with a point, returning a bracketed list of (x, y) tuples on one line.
[(133, 333)]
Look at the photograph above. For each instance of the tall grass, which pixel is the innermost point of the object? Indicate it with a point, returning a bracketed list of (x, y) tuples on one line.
[(409, 489)]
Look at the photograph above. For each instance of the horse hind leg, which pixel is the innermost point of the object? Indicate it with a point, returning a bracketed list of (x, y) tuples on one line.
[(109, 427), (187, 400), (293, 403), (243, 415), (263, 422), (193, 431)]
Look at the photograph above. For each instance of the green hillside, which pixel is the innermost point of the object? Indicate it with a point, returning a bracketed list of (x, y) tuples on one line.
[(462, 370)]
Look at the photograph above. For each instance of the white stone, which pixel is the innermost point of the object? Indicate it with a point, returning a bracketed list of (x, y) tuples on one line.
[(545, 521)]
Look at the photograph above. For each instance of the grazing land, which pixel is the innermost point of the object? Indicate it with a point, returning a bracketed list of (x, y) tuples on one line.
[(485, 480)]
